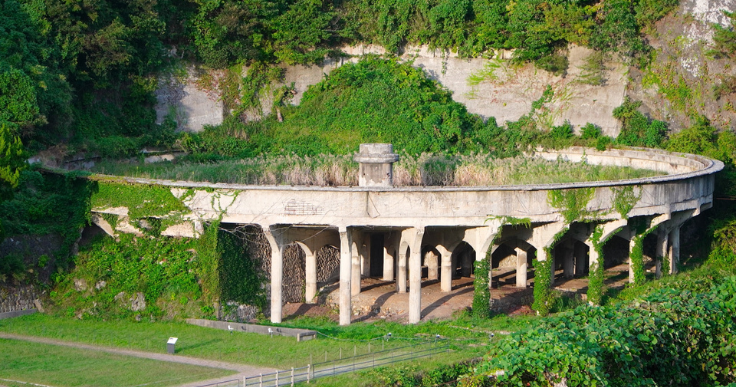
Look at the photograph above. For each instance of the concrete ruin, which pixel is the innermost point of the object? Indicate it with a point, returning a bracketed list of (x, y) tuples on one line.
[(398, 233)]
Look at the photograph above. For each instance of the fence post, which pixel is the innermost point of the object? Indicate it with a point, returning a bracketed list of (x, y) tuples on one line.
[(292, 376), (374, 361), (277, 378), (260, 381), (309, 372)]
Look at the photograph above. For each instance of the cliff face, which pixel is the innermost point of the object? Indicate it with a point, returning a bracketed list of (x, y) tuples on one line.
[(682, 79), (678, 84)]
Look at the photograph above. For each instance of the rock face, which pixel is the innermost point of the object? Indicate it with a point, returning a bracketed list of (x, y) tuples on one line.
[(681, 80), (138, 302)]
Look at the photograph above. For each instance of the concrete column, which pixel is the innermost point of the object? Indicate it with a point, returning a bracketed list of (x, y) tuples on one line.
[(277, 272), (581, 268), (346, 267), (355, 253), (446, 275), (521, 267), (432, 265), (552, 269), (388, 263), (568, 263), (592, 256), (674, 255), (311, 272), (415, 279), (631, 267), (365, 256), (662, 249), (401, 275)]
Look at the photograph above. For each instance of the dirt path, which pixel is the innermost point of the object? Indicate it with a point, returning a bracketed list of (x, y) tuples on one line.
[(242, 370)]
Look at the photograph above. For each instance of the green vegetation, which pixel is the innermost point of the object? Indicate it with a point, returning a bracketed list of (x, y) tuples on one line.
[(481, 288), (64, 366), (481, 169), (255, 349), (637, 129), (572, 203)]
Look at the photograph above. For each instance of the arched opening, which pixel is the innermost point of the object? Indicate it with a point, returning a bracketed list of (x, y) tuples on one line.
[(504, 263), (295, 274), (430, 263), (615, 252), (376, 255), (463, 259), (328, 265)]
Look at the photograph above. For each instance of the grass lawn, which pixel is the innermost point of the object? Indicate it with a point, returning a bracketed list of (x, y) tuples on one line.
[(64, 366), (255, 349)]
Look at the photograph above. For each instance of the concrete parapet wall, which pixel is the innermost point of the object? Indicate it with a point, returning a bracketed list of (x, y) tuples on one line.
[(689, 186), (253, 328)]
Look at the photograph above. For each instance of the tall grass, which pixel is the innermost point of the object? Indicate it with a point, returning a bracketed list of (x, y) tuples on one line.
[(426, 169)]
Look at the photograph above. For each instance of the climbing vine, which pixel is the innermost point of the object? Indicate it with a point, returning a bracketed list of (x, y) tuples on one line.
[(637, 254), (624, 199), (482, 295), (665, 265), (595, 280), (571, 202), (141, 200), (543, 277)]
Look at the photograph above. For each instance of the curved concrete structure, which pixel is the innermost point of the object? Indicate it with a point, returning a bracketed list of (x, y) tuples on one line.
[(412, 219)]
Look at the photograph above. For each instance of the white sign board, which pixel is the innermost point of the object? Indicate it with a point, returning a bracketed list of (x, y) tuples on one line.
[(172, 340)]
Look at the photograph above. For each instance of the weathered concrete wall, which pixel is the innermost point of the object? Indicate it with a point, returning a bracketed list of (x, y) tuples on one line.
[(690, 188), (185, 100), (506, 95), (15, 298)]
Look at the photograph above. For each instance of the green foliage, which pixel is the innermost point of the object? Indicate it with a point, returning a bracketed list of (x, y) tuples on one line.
[(208, 263), (159, 268), (624, 199), (240, 276), (142, 201), (542, 282), (572, 203), (619, 30), (637, 129), (595, 278), (562, 132), (670, 336), (590, 131), (636, 258), (49, 204), (482, 289), (12, 161), (724, 38), (593, 70)]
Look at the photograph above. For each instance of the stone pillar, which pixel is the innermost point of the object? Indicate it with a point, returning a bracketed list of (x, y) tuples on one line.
[(365, 256), (376, 165), (662, 250), (311, 272), (581, 268), (674, 255), (592, 256), (355, 273), (568, 263), (432, 267), (275, 239), (631, 267), (401, 275), (415, 279), (346, 266), (388, 263), (521, 267), (446, 275)]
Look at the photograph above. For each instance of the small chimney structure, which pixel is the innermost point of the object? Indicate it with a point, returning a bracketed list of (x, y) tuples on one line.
[(376, 165)]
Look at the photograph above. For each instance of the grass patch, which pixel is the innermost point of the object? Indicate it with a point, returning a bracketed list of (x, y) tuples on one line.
[(64, 366), (424, 170), (247, 348)]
